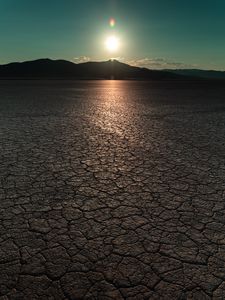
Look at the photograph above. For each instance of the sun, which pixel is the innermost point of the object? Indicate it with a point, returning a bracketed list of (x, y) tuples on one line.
[(112, 43)]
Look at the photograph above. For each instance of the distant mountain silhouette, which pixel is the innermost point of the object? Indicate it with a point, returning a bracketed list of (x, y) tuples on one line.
[(47, 68), (209, 74)]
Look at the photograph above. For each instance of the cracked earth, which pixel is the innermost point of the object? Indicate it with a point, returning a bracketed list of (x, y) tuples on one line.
[(112, 190)]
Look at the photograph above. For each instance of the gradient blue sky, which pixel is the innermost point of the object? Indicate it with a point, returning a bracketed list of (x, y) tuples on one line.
[(153, 33)]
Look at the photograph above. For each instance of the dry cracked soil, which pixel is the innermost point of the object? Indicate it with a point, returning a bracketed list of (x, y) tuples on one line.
[(112, 190)]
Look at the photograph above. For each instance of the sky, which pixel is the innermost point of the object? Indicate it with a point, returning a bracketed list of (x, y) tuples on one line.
[(152, 33)]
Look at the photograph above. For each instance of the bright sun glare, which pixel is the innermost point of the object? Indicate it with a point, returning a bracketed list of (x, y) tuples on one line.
[(112, 43)]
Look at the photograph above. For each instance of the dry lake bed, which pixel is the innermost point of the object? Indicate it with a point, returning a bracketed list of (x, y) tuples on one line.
[(112, 190)]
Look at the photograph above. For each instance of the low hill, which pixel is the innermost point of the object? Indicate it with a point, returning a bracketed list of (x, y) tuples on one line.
[(47, 68), (208, 74)]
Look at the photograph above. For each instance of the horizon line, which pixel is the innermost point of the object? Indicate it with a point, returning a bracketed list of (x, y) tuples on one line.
[(110, 59)]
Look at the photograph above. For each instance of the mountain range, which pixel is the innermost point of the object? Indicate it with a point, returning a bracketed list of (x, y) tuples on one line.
[(111, 69)]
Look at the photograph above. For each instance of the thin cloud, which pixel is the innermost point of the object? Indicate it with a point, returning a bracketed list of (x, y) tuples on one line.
[(158, 63), (150, 63), (81, 59)]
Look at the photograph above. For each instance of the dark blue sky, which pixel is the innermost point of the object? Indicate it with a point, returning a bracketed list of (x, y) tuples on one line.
[(154, 33)]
